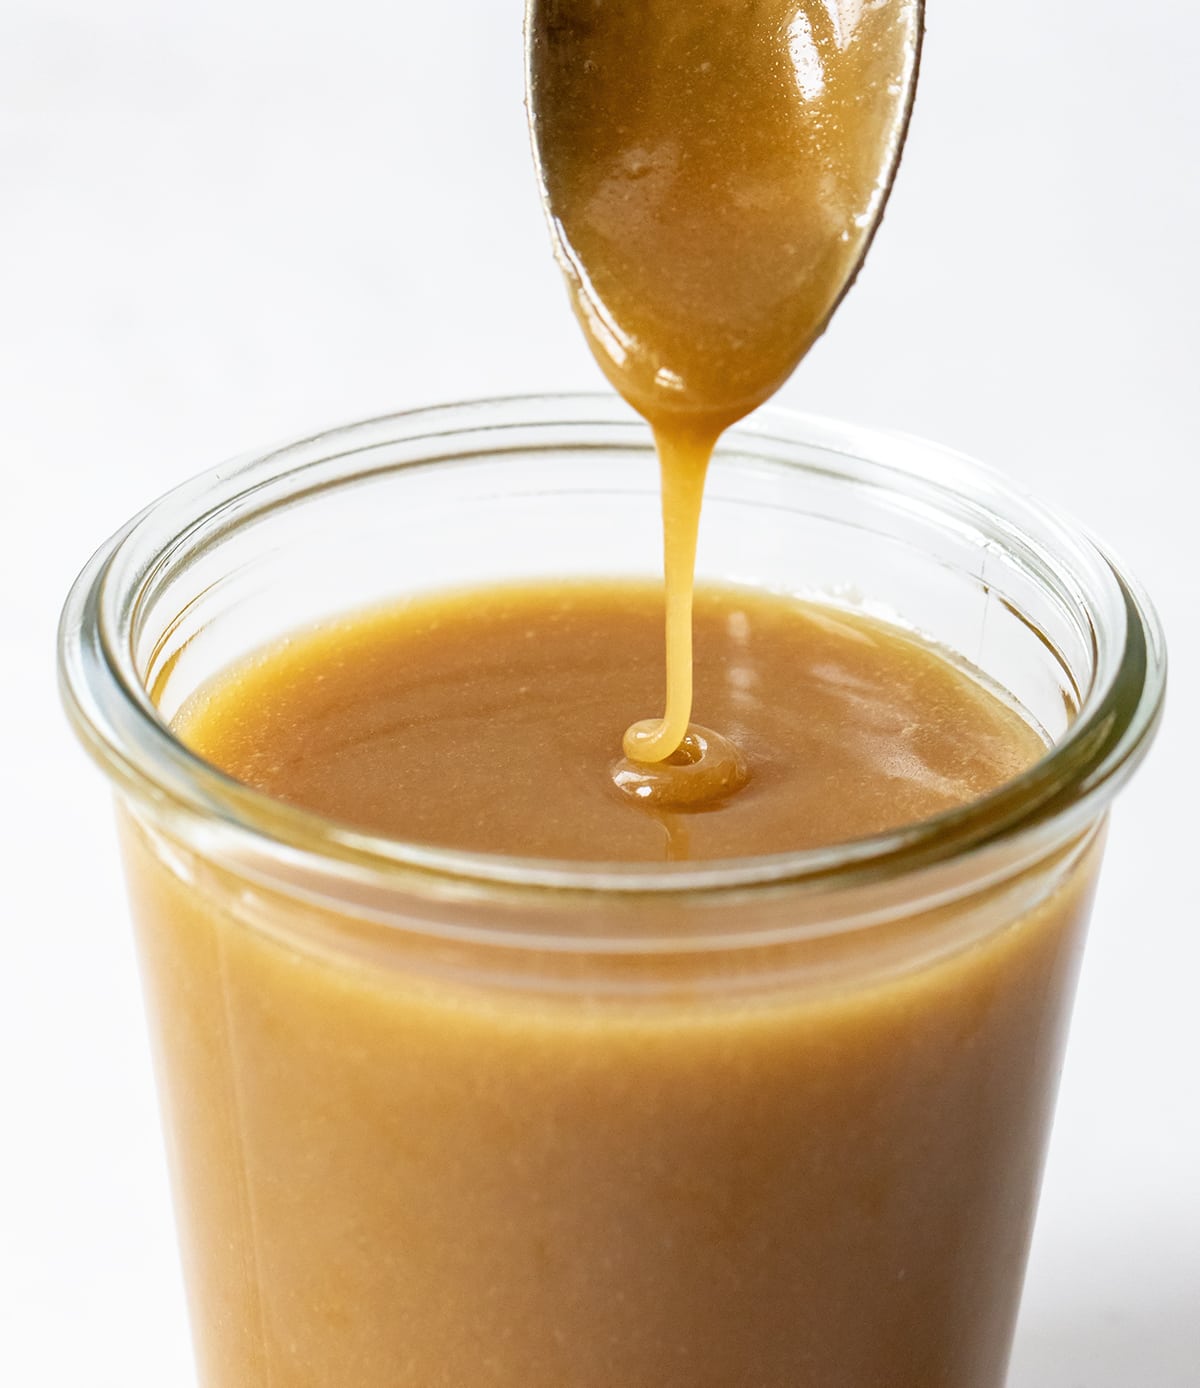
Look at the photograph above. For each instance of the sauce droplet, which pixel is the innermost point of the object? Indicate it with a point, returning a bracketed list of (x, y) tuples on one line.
[(703, 770)]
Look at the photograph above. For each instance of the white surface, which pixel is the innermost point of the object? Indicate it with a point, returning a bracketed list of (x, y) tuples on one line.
[(222, 223)]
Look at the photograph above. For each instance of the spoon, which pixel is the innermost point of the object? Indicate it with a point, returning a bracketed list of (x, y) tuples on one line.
[(714, 172)]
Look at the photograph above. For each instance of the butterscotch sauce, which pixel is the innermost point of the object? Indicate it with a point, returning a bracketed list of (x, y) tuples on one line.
[(412, 1149), (705, 768), (713, 173), (487, 721), (408, 1153), (683, 463)]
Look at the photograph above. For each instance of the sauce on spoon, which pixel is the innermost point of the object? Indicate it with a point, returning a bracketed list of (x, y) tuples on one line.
[(713, 173)]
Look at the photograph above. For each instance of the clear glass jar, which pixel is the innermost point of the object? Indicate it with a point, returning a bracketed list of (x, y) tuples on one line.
[(436, 1117)]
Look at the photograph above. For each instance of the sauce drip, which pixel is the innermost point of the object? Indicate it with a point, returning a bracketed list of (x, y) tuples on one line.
[(683, 460), (702, 770), (713, 173)]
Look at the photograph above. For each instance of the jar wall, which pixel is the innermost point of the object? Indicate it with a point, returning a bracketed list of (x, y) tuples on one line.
[(381, 1165)]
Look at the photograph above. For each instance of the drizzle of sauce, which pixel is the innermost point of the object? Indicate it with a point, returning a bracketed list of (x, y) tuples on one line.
[(683, 461), (713, 173)]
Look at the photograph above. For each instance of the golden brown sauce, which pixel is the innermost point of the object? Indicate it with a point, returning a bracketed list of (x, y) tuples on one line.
[(407, 1161), (489, 720), (714, 172)]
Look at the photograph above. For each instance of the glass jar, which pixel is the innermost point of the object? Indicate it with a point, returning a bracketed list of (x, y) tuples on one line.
[(438, 1117)]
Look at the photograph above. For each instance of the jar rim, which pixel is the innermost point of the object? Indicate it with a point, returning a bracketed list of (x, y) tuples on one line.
[(111, 709)]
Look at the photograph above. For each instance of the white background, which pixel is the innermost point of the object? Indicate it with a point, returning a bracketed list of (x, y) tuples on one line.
[(224, 223)]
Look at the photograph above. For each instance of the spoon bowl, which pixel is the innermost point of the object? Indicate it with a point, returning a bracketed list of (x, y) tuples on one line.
[(713, 174)]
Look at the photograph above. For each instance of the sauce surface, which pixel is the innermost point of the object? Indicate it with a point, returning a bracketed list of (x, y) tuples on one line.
[(408, 1160), (714, 173), (491, 720)]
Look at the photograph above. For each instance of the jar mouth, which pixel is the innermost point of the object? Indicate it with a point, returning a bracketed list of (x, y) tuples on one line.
[(111, 708)]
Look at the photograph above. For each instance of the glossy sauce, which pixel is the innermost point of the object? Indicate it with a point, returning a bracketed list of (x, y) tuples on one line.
[(713, 174), (488, 721), (410, 1155)]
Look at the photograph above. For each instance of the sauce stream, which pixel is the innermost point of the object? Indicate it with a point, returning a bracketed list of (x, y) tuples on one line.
[(713, 173)]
